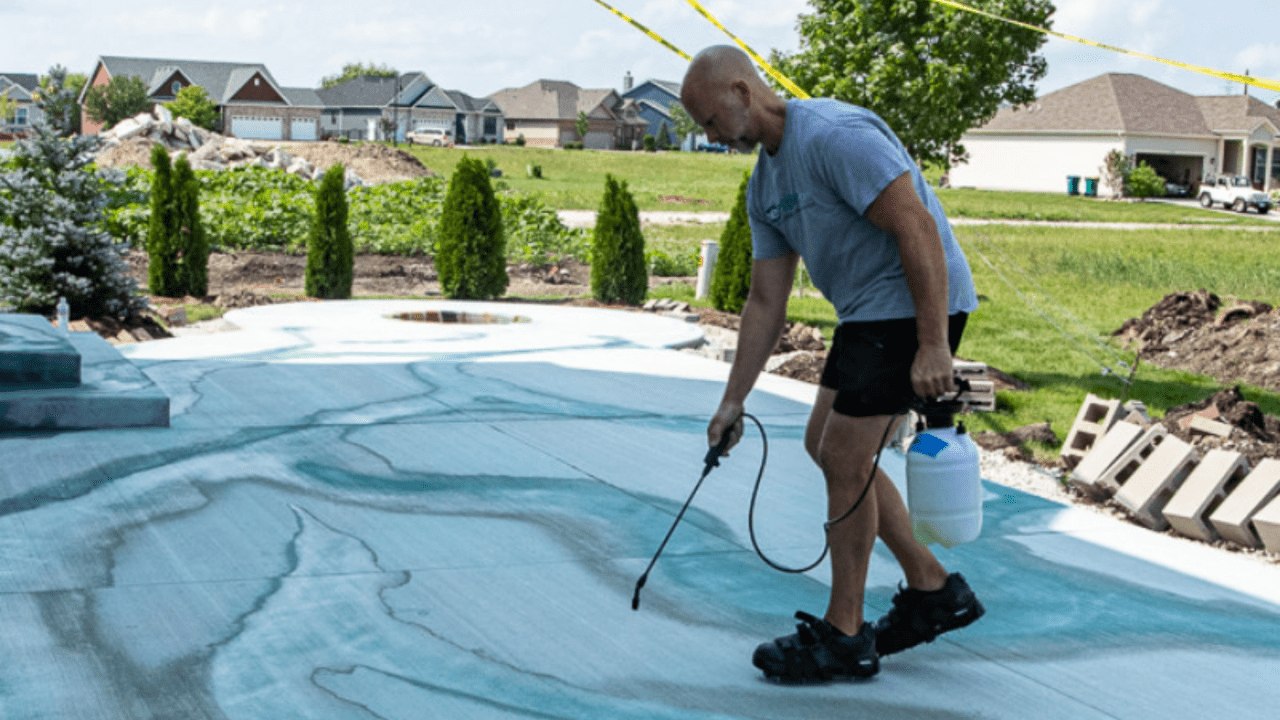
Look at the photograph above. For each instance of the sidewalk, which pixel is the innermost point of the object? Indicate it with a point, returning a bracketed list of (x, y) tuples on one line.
[(359, 517)]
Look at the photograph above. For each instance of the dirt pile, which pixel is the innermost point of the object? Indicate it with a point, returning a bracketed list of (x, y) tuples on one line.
[(375, 164), (1192, 331), (1251, 433)]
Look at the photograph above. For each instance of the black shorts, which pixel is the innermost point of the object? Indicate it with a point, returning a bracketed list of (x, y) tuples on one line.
[(869, 364)]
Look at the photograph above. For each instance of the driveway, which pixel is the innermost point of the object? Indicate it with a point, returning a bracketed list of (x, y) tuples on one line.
[(361, 517)]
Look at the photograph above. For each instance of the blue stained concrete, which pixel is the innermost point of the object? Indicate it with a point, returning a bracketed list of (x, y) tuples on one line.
[(354, 517)]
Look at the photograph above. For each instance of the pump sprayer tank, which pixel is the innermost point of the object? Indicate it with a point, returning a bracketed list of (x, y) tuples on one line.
[(944, 485)]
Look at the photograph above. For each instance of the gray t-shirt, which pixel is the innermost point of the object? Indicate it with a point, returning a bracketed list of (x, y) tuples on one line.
[(811, 198)]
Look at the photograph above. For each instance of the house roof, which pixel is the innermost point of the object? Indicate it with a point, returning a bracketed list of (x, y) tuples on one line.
[(467, 103), (1133, 104), (550, 100), (26, 81), (302, 97), (220, 79), (370, 91), (666, 86)]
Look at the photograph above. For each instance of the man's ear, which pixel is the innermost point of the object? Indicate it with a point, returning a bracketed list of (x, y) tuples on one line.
[(743, 91)]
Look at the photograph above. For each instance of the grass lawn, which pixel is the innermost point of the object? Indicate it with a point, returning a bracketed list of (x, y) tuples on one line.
[(574, 179), (970, 203)]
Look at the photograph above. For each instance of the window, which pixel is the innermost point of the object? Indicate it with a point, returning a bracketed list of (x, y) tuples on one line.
[(511, 125), (491, 126), (176, 87), (20, 116), (257, 82)]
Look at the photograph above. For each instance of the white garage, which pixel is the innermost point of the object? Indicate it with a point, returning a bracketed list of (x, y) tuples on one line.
[(257, 128), (302, 129)]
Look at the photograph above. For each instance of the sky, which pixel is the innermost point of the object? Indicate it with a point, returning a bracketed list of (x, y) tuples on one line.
[(495, 44)]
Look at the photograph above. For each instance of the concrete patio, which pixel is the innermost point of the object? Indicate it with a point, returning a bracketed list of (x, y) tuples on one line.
[(360, 517)]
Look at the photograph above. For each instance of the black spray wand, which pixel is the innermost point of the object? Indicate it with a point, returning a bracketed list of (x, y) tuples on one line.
[(712, 461)]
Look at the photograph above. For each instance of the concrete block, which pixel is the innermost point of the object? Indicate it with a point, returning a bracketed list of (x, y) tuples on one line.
[(1204, 426), (1267, 524), (1233, 518), (1217, 475), (34, 354), (1153, 484), (1110, 481), (1095, 418), (1135, 411), (1103, 455)]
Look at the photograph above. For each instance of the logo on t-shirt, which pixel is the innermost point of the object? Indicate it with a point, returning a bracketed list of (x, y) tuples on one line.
[(783, 209)]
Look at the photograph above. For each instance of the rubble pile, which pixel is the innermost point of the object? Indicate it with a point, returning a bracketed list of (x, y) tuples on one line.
[(1192, 331), (205, 149), (1234, 424)]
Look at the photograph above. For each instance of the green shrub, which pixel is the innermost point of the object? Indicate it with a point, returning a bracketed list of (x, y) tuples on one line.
[(535, 234), (617, 249), (661, 264), (471, 253), (1143, 182), (520, 141), (664, 137), (191, 263), (330, 254), (650, 143), (52, 238), (534, 171), (732, 278), (162, 247)]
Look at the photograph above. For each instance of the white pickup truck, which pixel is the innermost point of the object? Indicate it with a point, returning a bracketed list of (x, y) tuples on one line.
[(1233, 191)]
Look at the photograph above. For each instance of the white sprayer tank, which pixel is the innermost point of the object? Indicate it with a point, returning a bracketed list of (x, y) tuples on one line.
[(944, 487)]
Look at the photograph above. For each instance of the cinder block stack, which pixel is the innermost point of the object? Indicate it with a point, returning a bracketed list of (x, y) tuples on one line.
[(1162, 481)]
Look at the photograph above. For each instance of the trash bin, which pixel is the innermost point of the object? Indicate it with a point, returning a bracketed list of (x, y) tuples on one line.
[(1073, 184), (1091, 187)]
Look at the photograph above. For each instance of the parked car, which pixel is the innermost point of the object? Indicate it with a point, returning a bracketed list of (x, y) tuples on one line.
[(713, 148), (1233, 191), (1173, 189), (430, 136)]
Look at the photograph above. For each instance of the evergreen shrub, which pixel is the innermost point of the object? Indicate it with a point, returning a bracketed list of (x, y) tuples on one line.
[(732, 278), (471, 251), (162, 251), (330, 252), (53, 242), (650, 143), (192, 262), (617, 248)]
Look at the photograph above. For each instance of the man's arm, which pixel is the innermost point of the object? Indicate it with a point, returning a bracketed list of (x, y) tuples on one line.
[(899, 210), (762, 319)]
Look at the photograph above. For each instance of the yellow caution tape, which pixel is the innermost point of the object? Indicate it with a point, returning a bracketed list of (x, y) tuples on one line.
[(1233, 77), (782, 79), (644, 29)]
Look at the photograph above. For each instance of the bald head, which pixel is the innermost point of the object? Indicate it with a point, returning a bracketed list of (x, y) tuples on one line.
[(723, 93)]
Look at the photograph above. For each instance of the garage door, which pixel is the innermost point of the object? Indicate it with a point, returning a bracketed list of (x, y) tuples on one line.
[(302, 129), (256, 128)]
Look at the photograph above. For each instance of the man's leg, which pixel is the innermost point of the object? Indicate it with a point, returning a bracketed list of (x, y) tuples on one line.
[(845, 447)]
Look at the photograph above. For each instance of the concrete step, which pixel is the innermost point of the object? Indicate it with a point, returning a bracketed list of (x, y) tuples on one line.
[(34, 354), (112, 393)]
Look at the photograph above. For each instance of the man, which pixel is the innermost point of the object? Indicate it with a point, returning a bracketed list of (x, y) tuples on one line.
[(834, 185)]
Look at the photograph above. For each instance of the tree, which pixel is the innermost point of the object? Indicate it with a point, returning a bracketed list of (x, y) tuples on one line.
[(664, 136), (1115, 171), (193, 246), (123, 97), (684, 125), (162, 246), (194, 104), (732, 278), (8, 108), (330, 252), (617, 249), (58, 97), (471, 253), (582, 124), (351, 71), (52, 241), (932, 72), (1143, 182)]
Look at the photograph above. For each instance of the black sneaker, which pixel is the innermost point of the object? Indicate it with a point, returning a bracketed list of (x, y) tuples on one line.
[(819, 652), (918, 616)]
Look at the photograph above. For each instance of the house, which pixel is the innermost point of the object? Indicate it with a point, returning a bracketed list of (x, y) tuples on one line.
[(369, 107), (20, 89), (477, 120), (250, 102), (1069, 132), (545, 112), (653, 99)]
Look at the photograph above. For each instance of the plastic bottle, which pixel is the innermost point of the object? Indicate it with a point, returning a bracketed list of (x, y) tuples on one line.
[(944, 487), (64, 312)]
